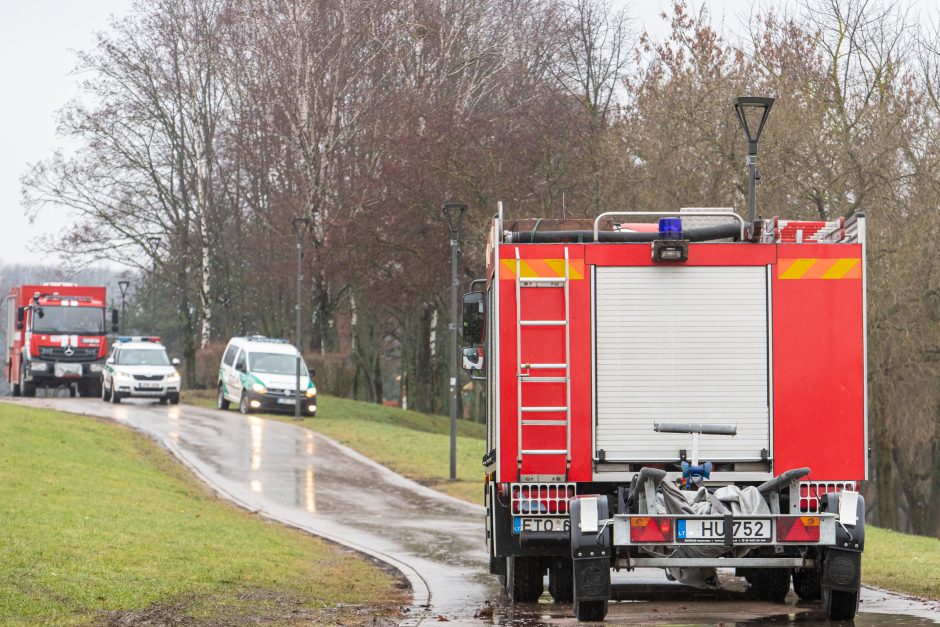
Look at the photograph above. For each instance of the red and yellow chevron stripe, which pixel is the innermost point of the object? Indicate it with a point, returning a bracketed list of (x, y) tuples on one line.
[(819, 268), (542, 268)]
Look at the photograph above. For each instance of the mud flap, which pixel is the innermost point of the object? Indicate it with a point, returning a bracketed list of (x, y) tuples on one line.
[(842, 564), (590, 549)]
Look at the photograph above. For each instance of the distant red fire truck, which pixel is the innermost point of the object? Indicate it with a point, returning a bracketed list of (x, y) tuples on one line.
[(56, 337)]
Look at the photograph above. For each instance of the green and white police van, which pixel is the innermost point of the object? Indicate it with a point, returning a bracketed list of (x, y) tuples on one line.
[(259, 373)]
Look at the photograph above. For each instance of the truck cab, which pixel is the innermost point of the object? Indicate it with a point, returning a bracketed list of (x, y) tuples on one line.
[(56, 337)]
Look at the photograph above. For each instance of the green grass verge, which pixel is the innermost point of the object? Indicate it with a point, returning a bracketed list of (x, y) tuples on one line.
[(413, 444), (417, 446), (101, 524), (902, 562)]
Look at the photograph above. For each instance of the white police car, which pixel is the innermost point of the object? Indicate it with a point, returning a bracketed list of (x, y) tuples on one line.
[(260, 374), (139, 367)]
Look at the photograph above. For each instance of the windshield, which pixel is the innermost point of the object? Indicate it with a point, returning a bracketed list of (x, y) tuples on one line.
[(275, 363), (141, 357), (69, 320)]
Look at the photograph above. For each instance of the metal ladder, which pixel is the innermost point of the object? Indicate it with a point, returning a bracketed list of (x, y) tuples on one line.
[(523, 375)]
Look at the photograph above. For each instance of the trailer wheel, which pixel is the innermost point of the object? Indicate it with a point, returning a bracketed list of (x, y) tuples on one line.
[(770, 584), (523, 579), (840, 604), (561, 580), (807, 583), (590, 611)]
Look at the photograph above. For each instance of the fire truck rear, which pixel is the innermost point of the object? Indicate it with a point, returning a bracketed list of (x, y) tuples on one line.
[(687, 394), (56, 337)]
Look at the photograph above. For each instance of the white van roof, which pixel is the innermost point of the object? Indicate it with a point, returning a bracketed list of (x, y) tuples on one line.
[(262, 344)]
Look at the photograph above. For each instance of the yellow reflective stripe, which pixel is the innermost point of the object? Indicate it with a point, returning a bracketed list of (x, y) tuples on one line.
[(796, 268), (542, 268), (840, 268)]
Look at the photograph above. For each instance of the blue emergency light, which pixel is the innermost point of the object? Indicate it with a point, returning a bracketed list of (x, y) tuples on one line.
[(670, 228)]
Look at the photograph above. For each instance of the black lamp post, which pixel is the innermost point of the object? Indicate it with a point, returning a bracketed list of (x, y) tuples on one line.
[(154, 242), (453, 211), (752, 112), (300, 230), (124, 285)]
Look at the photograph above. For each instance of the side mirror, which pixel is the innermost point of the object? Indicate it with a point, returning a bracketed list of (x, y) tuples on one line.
[(312, 372), (110, 360), (175, 361), (114, 321), (473, 318), (473, 358), (20, 316)]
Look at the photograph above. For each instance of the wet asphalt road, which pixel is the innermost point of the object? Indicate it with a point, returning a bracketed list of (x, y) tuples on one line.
[(306, 480)]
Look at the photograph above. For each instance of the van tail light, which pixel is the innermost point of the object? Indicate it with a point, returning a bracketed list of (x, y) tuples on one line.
[(798, 529), (650, 529)]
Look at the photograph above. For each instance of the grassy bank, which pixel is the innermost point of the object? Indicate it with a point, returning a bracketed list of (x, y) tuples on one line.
[(410, 443), (99, 524), (897, 561)]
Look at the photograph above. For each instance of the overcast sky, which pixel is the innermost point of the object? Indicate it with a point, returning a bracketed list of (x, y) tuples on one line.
[(38, 40)]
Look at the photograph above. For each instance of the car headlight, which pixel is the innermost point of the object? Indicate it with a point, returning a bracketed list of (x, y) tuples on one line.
[(122, 375), (173, 375), (311, 391), (257, 388), (38, 366)]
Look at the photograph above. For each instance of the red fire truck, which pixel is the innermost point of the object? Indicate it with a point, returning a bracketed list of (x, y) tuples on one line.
[(56, 337), (688, 394)]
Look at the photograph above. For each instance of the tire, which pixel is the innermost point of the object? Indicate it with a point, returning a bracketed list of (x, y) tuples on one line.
[(163, 400), (590, 611), (114, 395), (523, 579), (807, 583), (73, 391), (770, 584), (561, 580), (839, 604), (222, 402), (29, 389), (243, 406), (15, 391), (174, 399), (104, 392)]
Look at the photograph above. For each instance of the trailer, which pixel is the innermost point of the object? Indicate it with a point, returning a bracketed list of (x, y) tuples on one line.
[(56, 337), (687, 393)]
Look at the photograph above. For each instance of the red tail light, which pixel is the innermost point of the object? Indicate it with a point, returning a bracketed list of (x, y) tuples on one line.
[(798, 529), (650, 529)]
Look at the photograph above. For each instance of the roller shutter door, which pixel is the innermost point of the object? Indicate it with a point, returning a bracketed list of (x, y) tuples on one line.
[(681, 344)]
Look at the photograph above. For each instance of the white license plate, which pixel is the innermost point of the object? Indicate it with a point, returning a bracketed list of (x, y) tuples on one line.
[(712, 531), (556, 523), (149, 385), (287, 401)]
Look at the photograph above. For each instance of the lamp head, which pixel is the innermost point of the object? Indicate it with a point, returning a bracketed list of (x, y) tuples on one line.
[(124, 284), (300, 226), (752, 112), (454, 211)]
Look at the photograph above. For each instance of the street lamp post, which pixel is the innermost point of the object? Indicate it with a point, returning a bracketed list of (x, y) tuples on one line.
[(154, 242), (123, 285), (453, 211), (750, 107), (300, 230)]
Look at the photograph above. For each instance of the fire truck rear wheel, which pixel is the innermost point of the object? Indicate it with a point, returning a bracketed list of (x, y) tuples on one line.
[(840, 604), (524, 579), (770, 584), (807, 583), (29, 388), (590, 611), (561, 580)]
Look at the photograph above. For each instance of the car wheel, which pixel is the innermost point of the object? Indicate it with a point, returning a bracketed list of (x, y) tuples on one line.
[(222, 402), (114, 395), (243, 404), (104, 392), (174, 399), (164, 400)]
